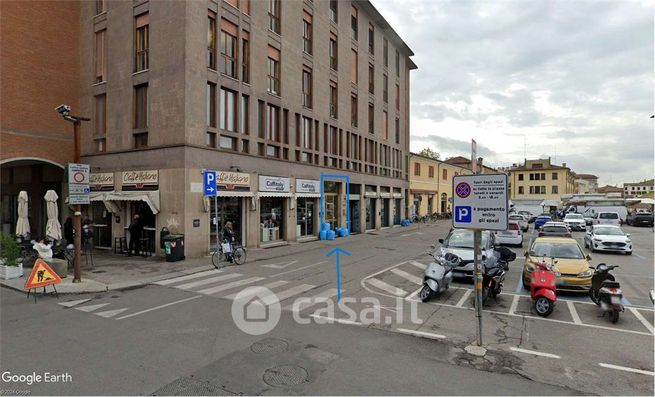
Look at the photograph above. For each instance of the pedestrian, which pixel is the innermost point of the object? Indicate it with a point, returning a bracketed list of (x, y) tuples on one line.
[(69, 231), (228, 236), (135, 229)]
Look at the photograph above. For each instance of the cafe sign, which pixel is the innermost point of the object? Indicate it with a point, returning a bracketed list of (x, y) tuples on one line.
[(236, 181), (101, 182), (273, 184), (140, 180), (307, 186)]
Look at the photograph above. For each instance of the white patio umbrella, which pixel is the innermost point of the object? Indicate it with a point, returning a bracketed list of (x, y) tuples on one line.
[(23, 224), (53, 227)]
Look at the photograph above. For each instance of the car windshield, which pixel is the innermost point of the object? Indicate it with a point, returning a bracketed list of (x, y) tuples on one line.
[(610, 231), (609, 215), (557, 250), (463, 239), (516, 217), (556, 229), (545, 218), (573, 216)]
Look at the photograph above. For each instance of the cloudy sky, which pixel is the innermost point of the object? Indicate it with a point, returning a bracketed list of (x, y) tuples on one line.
[(572, 80)]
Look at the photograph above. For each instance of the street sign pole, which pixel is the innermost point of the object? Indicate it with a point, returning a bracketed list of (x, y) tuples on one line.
[(477, 258), (218, 236)]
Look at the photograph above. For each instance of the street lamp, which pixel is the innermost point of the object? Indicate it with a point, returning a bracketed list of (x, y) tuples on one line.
[(64, 110)]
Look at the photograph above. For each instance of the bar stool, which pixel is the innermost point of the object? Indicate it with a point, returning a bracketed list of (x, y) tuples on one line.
[(121, 243), (146, 249)]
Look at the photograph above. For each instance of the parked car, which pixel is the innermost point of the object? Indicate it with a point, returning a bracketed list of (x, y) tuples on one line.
[(555, 229), (460, 243), (511, 236), (528, 216), (608, 238), (541, 219), (640, 218), (592, 211), (523, 223), (570, 263), (607, 218), (575, 222)]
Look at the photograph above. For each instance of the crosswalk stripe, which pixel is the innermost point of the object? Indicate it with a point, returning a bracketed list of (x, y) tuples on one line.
[(418, 264), (407, 276), (279, 297), (250, 293), (111, 313), (187, 277), (91, 308), (316, 299), (208, 281), (74, 303), (233, 284), (387, 287)]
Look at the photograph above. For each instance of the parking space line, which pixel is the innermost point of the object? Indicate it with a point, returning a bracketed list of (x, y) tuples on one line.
[(574, 313), (407, 276), (536, 353), (638, 256), (627, 369), (413, 294), (160, 307), (418, 264), (387, 287), (463, 299), (336, 320), (428, 335), (642, 319), (514, 305)]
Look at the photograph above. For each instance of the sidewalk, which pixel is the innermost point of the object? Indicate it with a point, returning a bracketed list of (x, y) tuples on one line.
[(117, 272)]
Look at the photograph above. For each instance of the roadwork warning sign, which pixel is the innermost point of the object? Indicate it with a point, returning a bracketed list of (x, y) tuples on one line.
[(480, 202), (41, 275)]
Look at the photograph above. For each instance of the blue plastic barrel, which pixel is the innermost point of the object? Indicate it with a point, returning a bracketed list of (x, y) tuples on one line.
[(330, 234)]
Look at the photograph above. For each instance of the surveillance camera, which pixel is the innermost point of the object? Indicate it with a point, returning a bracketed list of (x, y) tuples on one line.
[(63, 109)]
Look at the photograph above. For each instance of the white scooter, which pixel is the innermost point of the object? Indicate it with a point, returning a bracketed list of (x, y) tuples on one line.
[(438, 275)]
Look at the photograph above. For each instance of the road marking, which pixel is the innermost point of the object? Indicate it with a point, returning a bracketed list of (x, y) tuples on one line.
[(410, 234), (336, 320), (280, 265), (208, 281), (111, 313), (515, 304), (250, 293), (642, 319), (299, 289), (233, 284), (638, 256), (160, 307), (420, 333), (413, 294), (318, 298), (574, 313), (418, 264), (627, 369), (74, 303), (188, 277), (300, 268), (463, 299), (407, 276), (519, 285), (91, 308), (536, 353), (387, 287)]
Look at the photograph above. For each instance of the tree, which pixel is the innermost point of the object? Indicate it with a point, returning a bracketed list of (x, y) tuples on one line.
[(427, 152)]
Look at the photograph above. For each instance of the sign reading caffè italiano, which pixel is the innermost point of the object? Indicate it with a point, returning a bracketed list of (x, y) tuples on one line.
[(140, 180)]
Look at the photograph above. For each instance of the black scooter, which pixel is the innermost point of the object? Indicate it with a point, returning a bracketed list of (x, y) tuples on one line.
[(494, 273), (606, 291)]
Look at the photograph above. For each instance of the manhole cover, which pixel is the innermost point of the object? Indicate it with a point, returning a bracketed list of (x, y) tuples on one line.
[(269, 345), (285, 375)]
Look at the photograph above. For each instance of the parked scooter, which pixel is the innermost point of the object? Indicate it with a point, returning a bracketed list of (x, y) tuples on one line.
[(606, 292), (543, 288), (438, 275), (494, 273)]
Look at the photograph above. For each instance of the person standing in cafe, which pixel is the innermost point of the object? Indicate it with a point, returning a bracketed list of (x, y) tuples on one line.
[(135, 229)]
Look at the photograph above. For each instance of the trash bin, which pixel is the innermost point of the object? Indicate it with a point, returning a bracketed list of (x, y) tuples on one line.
[(162, 234), (174, 246)]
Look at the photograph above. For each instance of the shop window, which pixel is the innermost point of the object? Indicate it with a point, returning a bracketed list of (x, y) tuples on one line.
[(305, 216), (272, 219)]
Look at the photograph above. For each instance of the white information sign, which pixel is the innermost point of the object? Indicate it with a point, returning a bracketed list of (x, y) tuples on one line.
[(480, 202), (78, 173)]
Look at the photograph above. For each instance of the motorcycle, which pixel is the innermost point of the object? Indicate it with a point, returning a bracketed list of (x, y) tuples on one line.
[(606, 291), (438, 275), (494, 273), (543, 288)]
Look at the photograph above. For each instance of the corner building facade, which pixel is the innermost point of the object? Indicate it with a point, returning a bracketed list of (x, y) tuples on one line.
[(278, 97)]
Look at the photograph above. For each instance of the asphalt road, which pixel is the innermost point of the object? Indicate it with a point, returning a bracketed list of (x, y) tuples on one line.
[(179, 337)]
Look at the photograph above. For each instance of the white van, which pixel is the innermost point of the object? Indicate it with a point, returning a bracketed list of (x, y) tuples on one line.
[(589, 213), (607, 218)]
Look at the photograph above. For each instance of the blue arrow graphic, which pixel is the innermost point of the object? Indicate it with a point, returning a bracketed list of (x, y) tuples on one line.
[(338, 251)]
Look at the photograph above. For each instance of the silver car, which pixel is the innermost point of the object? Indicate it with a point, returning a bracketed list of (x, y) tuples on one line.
[(460, 243), (575, 222)]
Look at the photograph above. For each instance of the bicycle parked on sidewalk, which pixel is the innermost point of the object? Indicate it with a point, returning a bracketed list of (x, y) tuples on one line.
[(228, 253)]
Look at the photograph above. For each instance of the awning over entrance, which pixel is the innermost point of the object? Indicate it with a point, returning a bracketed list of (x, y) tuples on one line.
[(308, 195), (110, 198), (274, 194), (234, 193)]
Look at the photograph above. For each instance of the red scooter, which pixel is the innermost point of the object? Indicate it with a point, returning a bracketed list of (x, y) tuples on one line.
[(542, 289)]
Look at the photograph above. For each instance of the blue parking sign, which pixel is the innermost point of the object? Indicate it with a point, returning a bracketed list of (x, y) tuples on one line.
[(209, 180), (463, 214)]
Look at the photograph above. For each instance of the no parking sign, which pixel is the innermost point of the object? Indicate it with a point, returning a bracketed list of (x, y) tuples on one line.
[(480, 202)]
